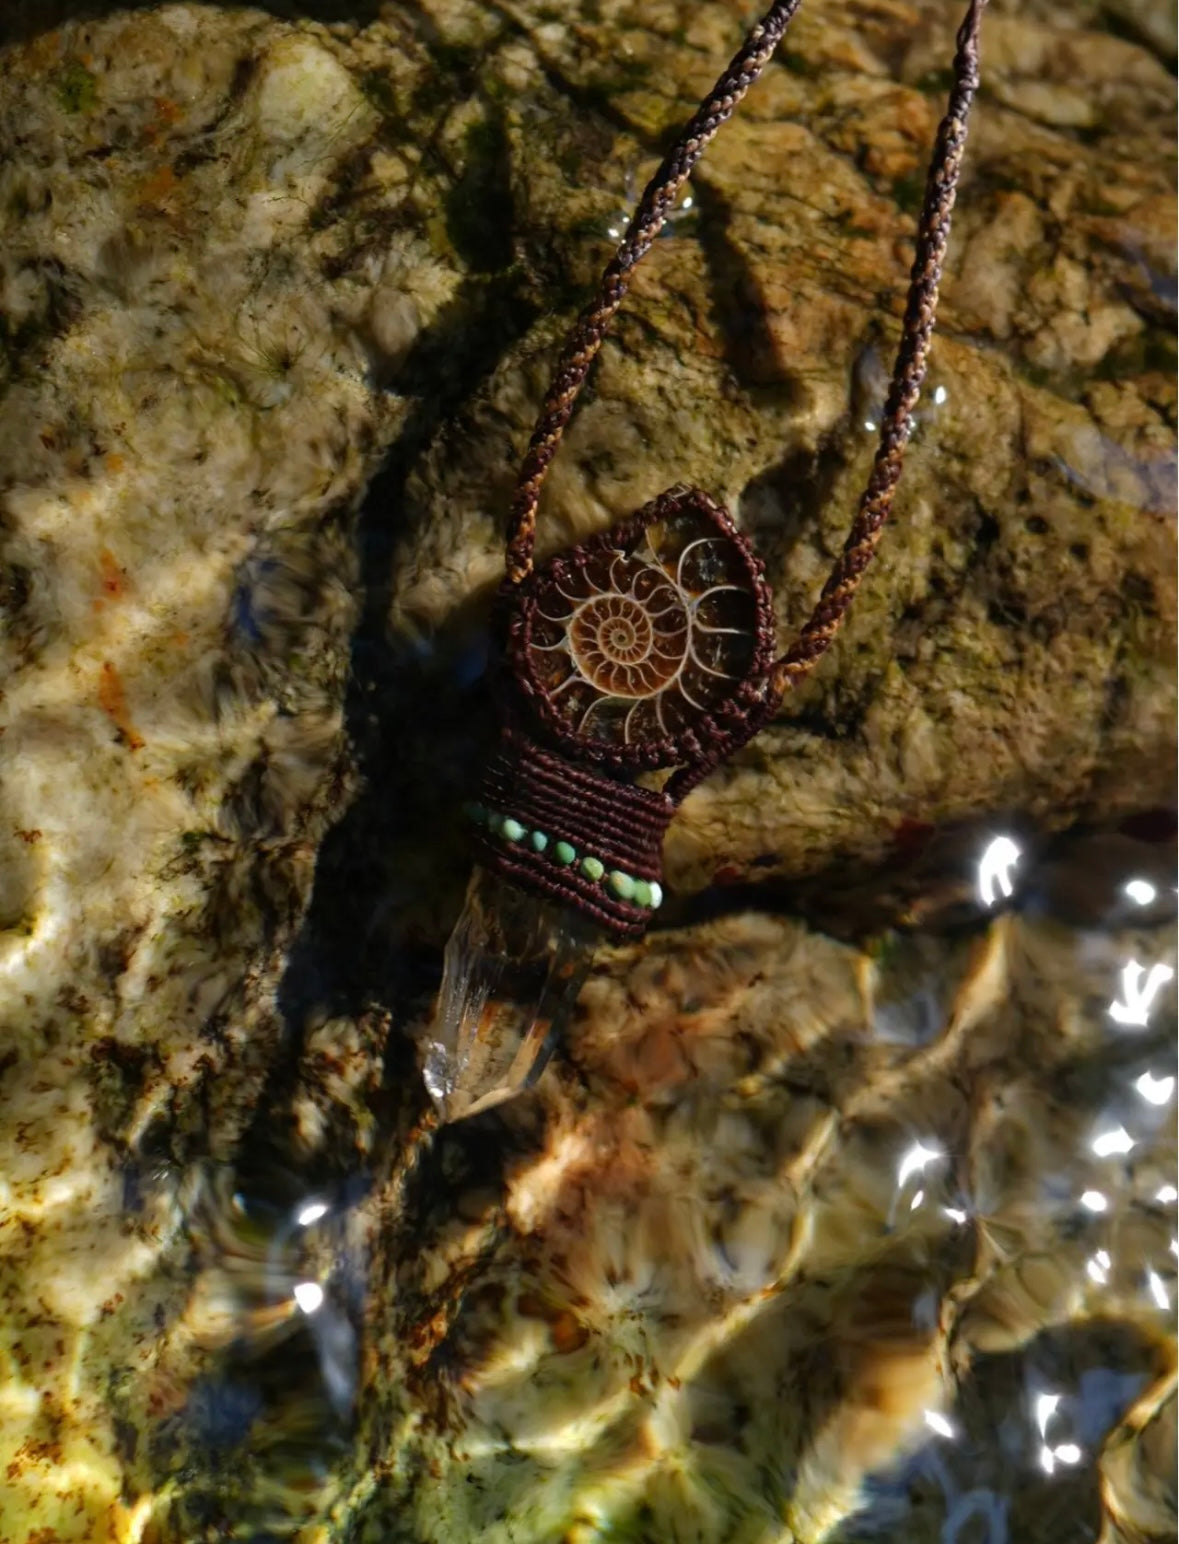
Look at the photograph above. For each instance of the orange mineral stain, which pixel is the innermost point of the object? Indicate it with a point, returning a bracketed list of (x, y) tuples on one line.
[(168, 113), (113, 699), (157, 187), (112, 574)]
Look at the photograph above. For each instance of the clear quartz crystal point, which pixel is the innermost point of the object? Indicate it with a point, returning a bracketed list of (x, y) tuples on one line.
[(513, 969)]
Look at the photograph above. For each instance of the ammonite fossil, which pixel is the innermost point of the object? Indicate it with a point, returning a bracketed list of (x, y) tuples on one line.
[(631, 642)]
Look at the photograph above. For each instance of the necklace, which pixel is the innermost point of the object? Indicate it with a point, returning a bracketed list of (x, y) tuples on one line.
[(634, 664)]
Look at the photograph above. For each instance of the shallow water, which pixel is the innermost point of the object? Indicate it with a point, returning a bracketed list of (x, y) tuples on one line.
[(847, 1207), (881, 1245)]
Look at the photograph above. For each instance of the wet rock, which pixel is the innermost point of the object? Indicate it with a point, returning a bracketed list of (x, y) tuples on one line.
[(278, 302), (188, 419)]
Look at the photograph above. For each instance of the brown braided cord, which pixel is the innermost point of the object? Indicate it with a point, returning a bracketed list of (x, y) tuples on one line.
[(933, 233), (647, 221)]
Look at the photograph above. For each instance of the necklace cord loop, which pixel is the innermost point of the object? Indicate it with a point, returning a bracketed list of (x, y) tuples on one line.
[(649, 218), (589, 331)]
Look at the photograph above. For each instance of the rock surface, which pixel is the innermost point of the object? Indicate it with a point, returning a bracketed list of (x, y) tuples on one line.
[(247, 259), (188, 419)]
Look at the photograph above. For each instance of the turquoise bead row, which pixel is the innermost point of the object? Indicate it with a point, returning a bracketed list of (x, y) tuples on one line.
[(625, 887)]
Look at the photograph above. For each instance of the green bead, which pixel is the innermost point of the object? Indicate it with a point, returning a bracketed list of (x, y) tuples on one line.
[(622, 884), (511, 830), (642, 893), (539, 841), (564, 853), (592, 868)]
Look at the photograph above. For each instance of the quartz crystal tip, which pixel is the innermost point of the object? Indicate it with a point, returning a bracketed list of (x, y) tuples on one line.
[(513, 969)]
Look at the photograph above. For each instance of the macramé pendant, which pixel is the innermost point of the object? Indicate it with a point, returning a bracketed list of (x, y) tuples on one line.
[(644, 650), (634, 664)]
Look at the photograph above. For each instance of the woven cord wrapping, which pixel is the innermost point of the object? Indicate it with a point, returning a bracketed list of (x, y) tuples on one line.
[(612, 828)]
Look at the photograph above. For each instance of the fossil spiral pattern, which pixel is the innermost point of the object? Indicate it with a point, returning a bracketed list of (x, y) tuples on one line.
[(644, 632)]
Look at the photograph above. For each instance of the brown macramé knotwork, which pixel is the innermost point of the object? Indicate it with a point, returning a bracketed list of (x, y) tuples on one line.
[(584, 705)]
